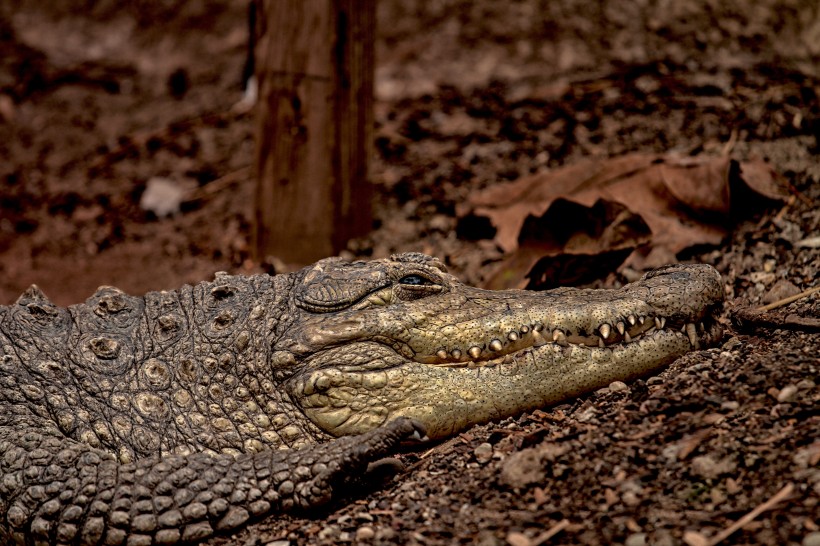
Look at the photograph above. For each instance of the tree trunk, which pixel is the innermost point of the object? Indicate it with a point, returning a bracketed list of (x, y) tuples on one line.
[(314, 126)]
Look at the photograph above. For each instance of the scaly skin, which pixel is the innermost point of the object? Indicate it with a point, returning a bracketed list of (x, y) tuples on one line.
[(167, 418)]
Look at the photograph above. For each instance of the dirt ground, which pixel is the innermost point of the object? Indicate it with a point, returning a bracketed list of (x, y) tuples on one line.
[(97, 98)]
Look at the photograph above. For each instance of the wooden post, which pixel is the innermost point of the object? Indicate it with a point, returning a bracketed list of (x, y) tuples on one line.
[(314, 65)]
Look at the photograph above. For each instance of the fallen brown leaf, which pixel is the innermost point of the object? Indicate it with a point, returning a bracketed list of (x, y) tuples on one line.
[(562, 226)]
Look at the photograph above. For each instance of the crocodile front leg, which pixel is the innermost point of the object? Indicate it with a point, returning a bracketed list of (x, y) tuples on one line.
[(57, 491)]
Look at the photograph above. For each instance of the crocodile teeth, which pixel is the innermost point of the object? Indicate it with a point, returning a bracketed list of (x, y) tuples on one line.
[(693, 338), (628, 329), (537, 339), (660, 322)]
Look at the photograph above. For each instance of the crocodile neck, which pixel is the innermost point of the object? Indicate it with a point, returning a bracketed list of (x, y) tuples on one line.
[(172, 372)]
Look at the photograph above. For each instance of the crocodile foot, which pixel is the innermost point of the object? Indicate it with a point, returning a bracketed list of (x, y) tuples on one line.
[(178, 499)]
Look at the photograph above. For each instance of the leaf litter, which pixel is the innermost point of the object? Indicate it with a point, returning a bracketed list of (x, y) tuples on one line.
[(639, 211)]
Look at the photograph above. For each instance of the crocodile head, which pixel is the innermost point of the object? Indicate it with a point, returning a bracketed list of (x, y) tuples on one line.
[(371, 341)]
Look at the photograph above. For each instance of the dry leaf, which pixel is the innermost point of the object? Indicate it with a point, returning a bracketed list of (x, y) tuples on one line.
[(645, 206)]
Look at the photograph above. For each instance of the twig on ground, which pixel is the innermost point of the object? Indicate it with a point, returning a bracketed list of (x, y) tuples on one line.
[(786, 301), (551, 532), (444, 447), (800, 196), (441, 447), (789, 204), (739, 524), (730, 144), (746, 318), (219, 184), (749, 319)]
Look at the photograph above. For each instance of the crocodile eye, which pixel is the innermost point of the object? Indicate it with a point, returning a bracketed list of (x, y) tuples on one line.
[(415, 280), (414, 286)]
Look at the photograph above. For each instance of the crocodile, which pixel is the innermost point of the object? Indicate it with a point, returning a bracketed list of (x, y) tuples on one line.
[(178, 415)]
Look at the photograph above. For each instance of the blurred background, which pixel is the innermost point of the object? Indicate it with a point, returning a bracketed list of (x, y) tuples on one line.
[(101, 100)]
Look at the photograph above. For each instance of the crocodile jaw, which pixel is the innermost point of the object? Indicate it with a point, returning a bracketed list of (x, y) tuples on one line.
[(448, 399), (557, 351)]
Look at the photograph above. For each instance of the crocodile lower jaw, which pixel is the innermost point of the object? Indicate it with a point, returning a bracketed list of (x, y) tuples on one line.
[(448, 397)]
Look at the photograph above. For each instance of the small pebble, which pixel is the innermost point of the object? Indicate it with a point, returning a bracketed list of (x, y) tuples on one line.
[(812, 539), (365, 532), (787, 394), (693, 538), (707, 467), (636, 539), (386, 534), (731, 344), (440, 222), (518, 539), (629, 498), (717, 496), (328, 533), (617, 386), (278, 543), (483, 453), (162, 197), (809, 242), (713, 418), (487, 538), (655, 380), (586, 415), (664, 538)]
